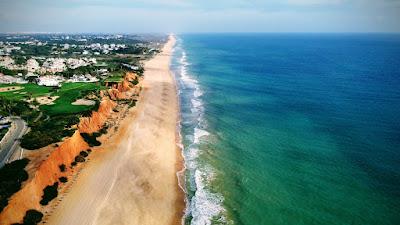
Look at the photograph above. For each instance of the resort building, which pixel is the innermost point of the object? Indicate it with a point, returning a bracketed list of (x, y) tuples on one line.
[(82, 78), (32, 65), (54, 65), (50, 81), (6, 79), (6, 61)]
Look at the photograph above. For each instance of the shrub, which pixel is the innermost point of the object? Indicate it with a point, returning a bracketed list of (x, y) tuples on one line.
[(132, 103), (87, 113), (63, 179), (73, 164), (79, 158), (49, 193), (32, 217), (45, 132), (62, 167), (90, 139), (135, 81), (83, 154), (11, 177)]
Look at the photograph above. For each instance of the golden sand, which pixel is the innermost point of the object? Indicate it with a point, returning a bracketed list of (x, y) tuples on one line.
[(131, 178)]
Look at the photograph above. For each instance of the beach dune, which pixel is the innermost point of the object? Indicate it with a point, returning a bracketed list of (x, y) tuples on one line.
[(132, 178)]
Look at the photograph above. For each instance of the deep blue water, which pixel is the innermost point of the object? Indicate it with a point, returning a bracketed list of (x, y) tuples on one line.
[(290, 128)]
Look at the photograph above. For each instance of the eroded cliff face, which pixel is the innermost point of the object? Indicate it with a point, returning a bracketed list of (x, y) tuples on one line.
[(47, 173), (95, 122), (124, 89)]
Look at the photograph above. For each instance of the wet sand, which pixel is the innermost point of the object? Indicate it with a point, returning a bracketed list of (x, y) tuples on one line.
[(131, 178)]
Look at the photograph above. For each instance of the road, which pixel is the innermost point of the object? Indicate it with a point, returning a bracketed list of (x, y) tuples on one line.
[(11, 142)]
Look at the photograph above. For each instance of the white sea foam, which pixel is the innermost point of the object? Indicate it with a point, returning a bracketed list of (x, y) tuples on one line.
[(199, 133), (196, 103), (204, 206), (197, 92)]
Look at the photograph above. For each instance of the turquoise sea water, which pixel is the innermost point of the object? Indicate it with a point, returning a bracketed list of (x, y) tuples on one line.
[(290, 128)]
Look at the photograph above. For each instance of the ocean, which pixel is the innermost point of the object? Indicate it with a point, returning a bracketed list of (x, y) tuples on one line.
[(282, 129)]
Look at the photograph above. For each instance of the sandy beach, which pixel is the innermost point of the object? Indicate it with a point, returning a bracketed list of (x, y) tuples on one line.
[(131, 178)]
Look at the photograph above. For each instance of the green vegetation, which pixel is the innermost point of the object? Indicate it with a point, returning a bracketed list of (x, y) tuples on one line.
[(79, 159), (83, 154), (6, 71), (135, 81), (132, 50), (32, 217), (49, 193), (17, 108), (51, 123), (19, 60), (45, 132), (11, 177), (68, 93), (3, 132), (116, 76), (28, 91), (33, 50), (62, 167), (91, 139), (80, 70), (63, 179), (132, 104), (57, 119)]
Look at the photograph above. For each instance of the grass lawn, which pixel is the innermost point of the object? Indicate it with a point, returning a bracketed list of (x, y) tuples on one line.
[(101, 64), (116, 76), (28, 90), (70, 92)]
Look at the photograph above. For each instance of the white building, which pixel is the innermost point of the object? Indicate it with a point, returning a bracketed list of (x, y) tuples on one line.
[(6, 79), (50, 81), (75, 63), (83, 78), (6, 61), (54, 65), (32, 65)]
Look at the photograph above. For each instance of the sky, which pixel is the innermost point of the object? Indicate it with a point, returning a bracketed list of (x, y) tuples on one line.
[(180, 16)]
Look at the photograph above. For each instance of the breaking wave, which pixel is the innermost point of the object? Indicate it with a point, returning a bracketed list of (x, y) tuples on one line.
[(203, 206)]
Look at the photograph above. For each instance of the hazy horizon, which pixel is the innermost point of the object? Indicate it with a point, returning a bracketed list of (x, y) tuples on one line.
[(189, 16), (205, 32)]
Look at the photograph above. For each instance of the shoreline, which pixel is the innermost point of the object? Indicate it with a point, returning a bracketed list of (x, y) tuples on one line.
[(132, 177)]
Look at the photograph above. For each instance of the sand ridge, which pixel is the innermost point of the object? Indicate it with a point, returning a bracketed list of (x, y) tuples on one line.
[(131, 178), (11, 88)]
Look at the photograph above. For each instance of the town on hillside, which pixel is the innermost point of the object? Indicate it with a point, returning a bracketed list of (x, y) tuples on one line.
[(48, 81), (51, 59)]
